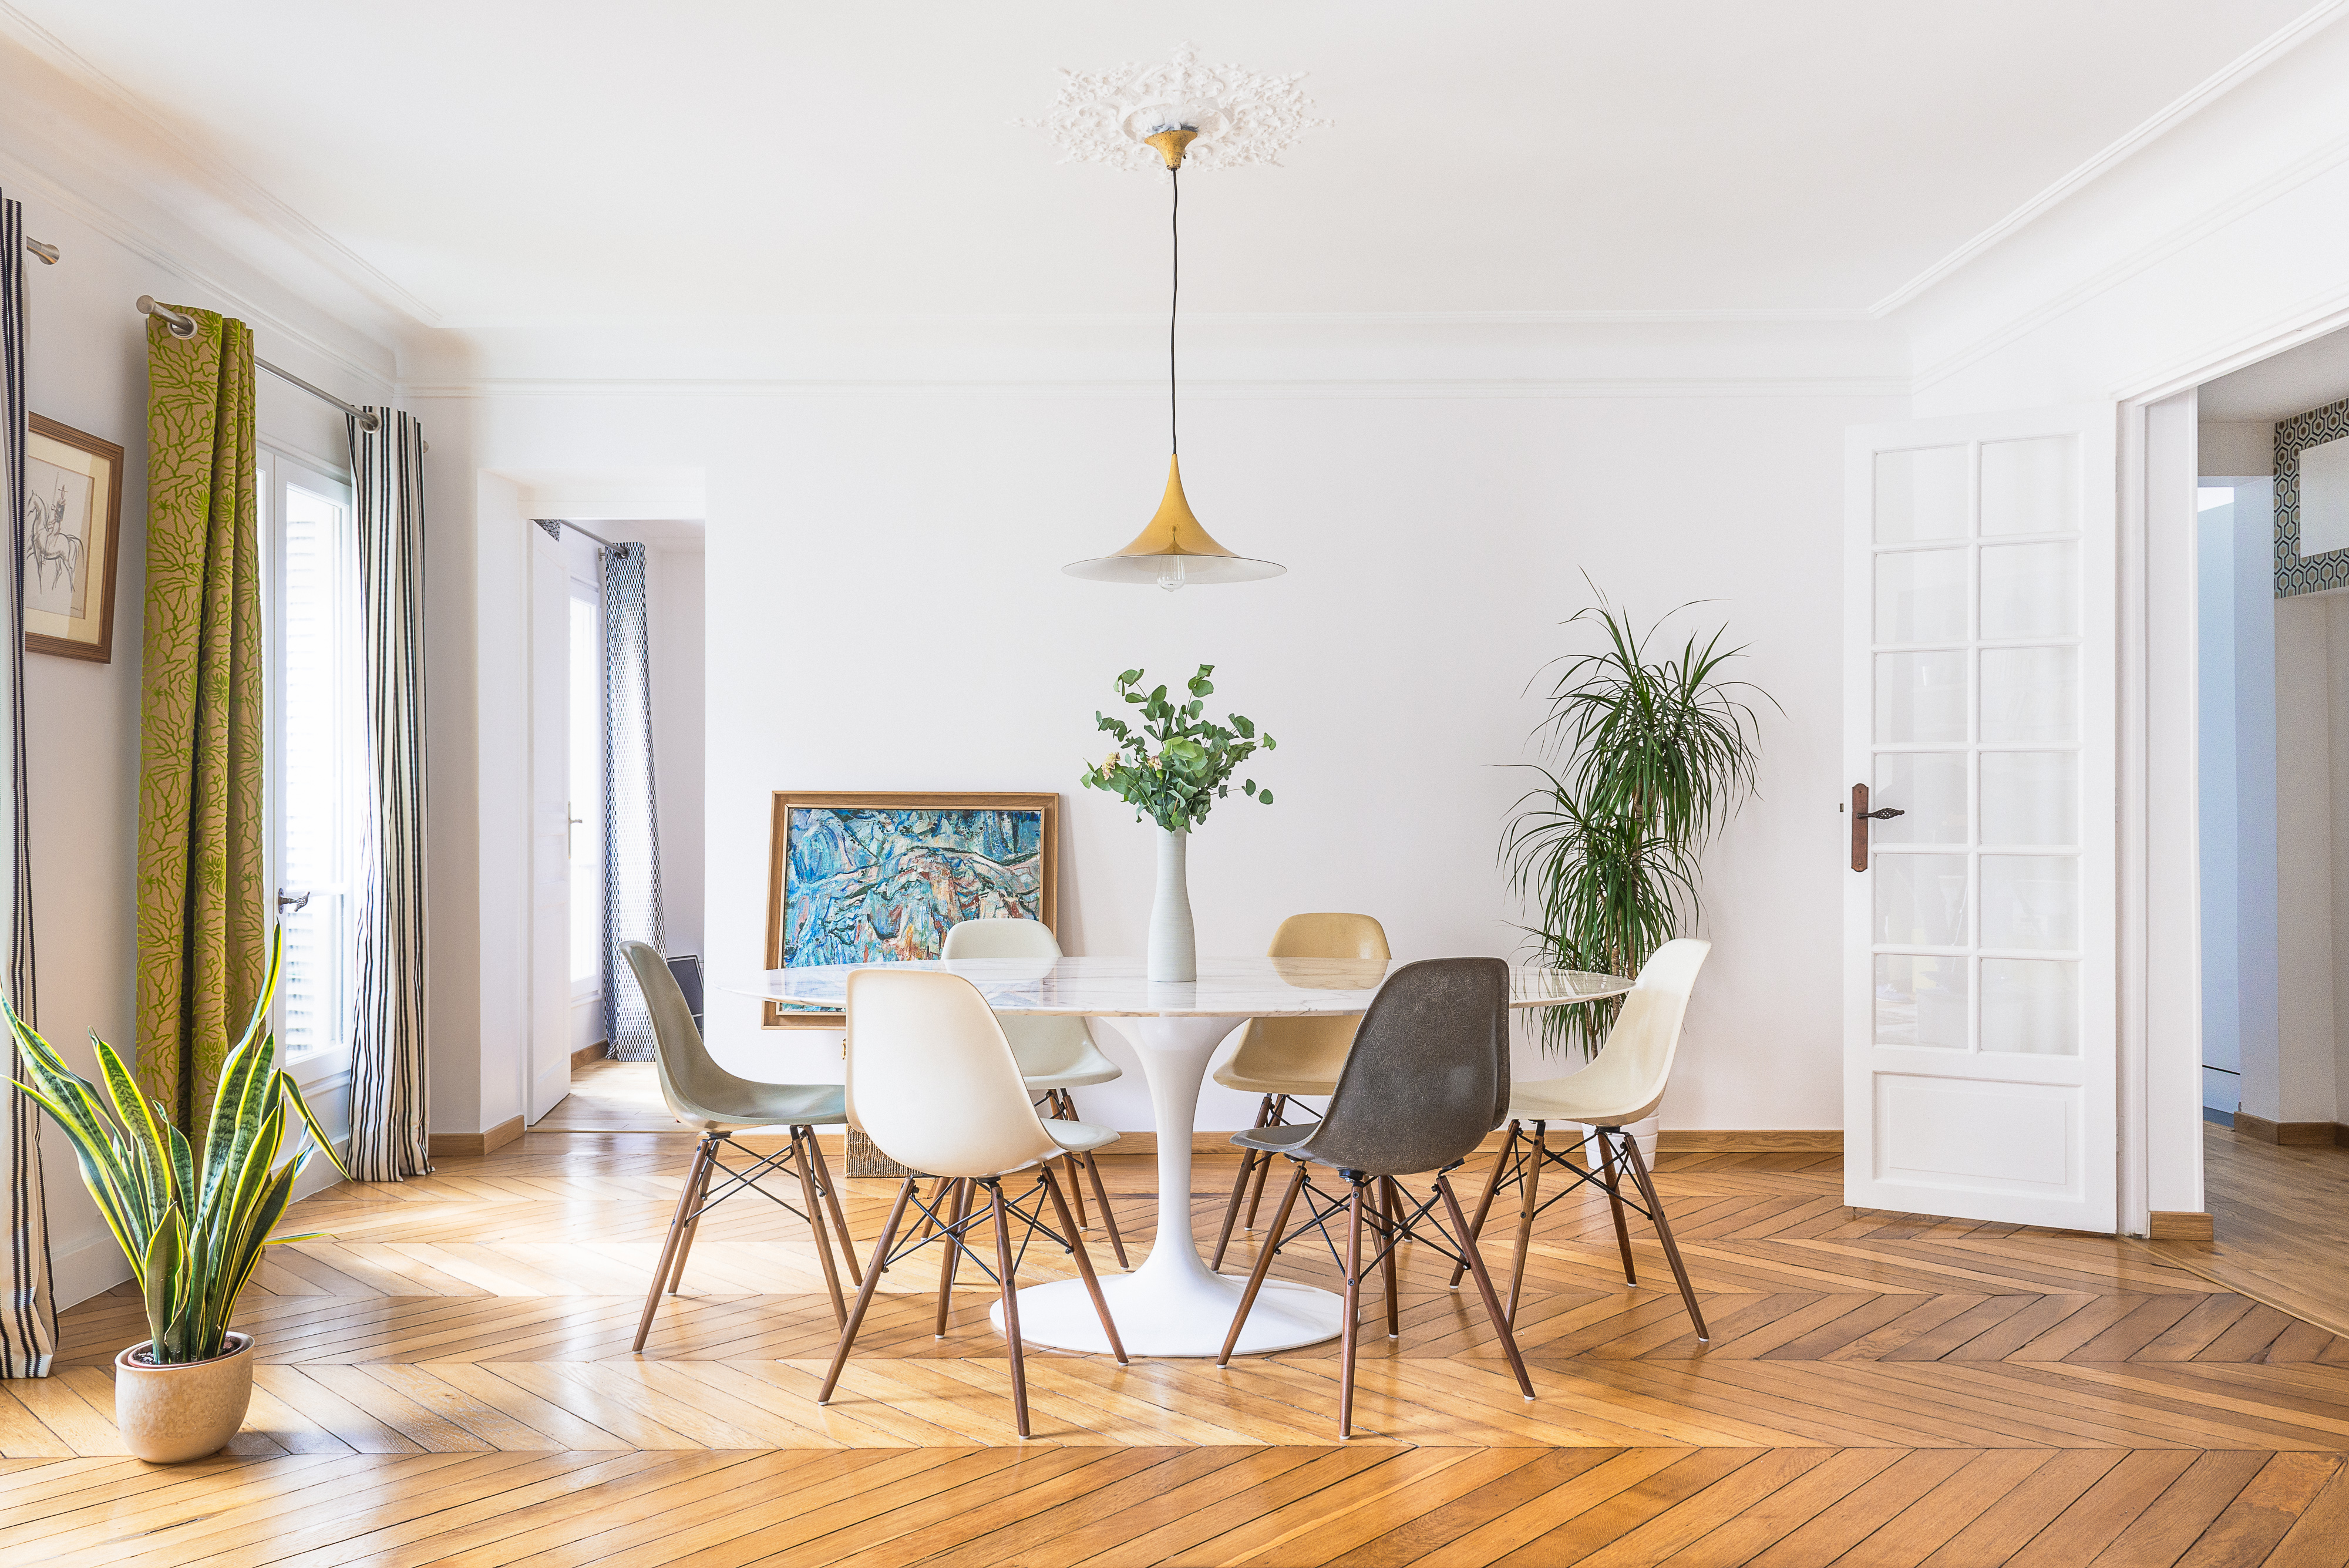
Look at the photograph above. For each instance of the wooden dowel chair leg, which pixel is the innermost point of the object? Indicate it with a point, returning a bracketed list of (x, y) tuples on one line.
[(1492, 1185), (802, 1142), (1532, 1192), (1011, 1305), (1065, 1108), (1615, 1202), (865, 1295), (1085, 1268), (1391, 1210), (693, 1225), (831, 1203), (1665, 1233), (1248, 1159), (668, 1243), (1263, 1263), (950, 1261), (1352, 1328), (1264, 1165), (1109, 1215), (1475, 1261)]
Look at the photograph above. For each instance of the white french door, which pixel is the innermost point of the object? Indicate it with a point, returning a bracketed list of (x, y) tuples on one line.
[(1979, 914), (548, 1058)]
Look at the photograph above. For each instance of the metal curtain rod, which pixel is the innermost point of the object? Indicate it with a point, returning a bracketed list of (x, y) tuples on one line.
[(43, 249), (566, 523), (185, 327)]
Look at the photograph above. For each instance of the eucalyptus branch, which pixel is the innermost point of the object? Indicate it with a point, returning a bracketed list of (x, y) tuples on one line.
[(1175, 762)]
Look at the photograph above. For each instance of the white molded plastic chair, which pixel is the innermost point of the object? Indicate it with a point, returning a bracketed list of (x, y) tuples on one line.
[(1623, 1083), (1055, 1054), (932, 1083)]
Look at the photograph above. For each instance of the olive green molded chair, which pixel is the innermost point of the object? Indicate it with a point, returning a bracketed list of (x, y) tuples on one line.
[(706, 1096)]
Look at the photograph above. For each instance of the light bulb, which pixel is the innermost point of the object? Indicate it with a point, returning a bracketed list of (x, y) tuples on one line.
[(1170, 574)]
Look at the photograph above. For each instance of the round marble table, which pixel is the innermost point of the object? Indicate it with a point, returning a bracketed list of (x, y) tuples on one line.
[(1172, 1304)]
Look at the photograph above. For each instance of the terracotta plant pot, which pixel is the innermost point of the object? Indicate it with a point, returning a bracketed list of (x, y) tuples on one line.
[(171, 1414)]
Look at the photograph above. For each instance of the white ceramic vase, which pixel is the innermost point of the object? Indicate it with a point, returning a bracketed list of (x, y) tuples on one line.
[(1173, 948), (169, 1415)]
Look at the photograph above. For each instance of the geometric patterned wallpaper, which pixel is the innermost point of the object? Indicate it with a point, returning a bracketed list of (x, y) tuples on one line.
[(2331, 569)]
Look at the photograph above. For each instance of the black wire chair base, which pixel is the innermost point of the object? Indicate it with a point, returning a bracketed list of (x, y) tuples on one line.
[(1272, 1111), (801, 1158), (1518, 1167), (1393, 1216), (948, 1218)]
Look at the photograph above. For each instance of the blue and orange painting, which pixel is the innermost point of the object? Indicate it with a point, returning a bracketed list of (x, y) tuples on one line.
[(874, 886)]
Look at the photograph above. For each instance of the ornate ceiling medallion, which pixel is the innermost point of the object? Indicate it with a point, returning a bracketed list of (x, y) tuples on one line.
[(1242, 116)]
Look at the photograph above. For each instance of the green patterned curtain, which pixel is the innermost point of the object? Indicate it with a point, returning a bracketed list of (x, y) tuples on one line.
[(202, 921)]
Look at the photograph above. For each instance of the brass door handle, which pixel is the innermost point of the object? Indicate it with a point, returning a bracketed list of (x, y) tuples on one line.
[(1861, 817)]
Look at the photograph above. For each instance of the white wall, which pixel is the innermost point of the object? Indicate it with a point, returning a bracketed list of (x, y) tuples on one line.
[(885, 611), (86, 363)]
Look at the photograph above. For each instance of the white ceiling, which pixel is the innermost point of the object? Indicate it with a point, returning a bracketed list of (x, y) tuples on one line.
[(497, 162), (2292, 382)]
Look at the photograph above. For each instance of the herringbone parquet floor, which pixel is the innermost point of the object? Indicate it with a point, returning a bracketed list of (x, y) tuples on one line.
[(446, 1379)]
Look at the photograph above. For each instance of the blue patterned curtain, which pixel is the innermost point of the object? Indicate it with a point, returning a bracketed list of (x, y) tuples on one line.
[(28, 1319), (631, 834)]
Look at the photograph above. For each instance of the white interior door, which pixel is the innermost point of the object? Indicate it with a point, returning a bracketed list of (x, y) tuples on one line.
[(1979, 923), (547, 1064)]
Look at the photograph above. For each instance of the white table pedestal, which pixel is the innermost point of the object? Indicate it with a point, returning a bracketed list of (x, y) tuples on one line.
[(1173, 1305)]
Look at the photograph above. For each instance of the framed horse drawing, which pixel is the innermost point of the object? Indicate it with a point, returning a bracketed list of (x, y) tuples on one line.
[(73, 523)]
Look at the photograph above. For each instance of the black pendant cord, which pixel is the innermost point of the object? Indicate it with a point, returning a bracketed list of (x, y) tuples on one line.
[(1173, 297)]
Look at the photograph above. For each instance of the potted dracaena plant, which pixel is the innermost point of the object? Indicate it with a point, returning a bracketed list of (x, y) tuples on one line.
[(192, 1221), (1172, 768), (1653, 751)]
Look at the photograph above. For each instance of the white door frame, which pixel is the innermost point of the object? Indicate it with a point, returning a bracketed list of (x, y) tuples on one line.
[(2160, 936)]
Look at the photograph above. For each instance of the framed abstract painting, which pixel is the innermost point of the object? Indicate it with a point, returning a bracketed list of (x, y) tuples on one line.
[(881, 878), (73, 516)]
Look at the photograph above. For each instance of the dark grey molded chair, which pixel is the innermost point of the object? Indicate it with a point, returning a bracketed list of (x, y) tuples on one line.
[(703, 1095), (1427, 1078)]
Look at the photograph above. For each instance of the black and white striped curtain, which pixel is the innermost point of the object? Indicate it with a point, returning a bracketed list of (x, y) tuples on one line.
[(388, 1109), (28, 1319), (632, 911)]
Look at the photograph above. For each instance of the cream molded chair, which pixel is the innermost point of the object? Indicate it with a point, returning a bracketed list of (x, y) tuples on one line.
[(1055, 1054), (932, 1083), (702, 1094), (1624, 1084), (1283, 1059)]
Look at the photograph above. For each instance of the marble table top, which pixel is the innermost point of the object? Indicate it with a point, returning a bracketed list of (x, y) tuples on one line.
[(1226, 987)]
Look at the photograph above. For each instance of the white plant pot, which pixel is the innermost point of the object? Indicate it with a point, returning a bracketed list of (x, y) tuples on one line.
[(169, 1415), (1174, 947), (1644, 1132)]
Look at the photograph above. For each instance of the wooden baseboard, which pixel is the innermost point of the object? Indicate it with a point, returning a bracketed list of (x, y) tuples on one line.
[(587, 1053), (2181, 1225), (456, 1144), (2291, 1134), (1777, 1140)]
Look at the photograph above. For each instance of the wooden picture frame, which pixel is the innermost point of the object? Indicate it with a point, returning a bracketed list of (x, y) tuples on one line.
[(857, 823), (73, 540)]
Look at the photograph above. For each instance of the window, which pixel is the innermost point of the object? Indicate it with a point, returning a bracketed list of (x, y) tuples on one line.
[(317, 756), (586, 777)]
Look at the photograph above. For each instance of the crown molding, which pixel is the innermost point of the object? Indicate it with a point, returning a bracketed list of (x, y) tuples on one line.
[(2318, 161), (219, 293), (2193, 102), (1529, 388), (222, 179)]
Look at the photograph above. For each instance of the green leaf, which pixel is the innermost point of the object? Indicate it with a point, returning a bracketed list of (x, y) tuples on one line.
[(160, 1277), (1265, 796), (1129, 678)]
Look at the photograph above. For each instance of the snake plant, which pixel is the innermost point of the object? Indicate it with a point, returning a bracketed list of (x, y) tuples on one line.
[(193, 1230)]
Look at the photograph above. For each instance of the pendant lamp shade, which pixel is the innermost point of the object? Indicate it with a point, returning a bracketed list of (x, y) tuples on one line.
[(1173, 550)]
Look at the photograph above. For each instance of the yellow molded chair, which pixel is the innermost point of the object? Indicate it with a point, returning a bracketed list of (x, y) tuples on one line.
[(1055, 1054), (1282, 1059)]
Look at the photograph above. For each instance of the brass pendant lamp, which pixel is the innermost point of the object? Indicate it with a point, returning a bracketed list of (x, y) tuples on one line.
[(1173, 550)]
